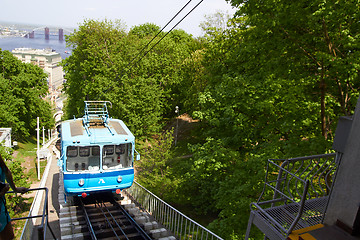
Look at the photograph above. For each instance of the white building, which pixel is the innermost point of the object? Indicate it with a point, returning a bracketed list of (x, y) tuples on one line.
[(46, 59), (5, 137)]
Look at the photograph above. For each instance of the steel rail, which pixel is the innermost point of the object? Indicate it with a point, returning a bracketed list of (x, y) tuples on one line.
[(87, 220), (117, 223), (141, 231), (105, 214), (101, 205)]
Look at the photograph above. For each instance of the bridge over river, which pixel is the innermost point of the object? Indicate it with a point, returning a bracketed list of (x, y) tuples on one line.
[(46, 31)]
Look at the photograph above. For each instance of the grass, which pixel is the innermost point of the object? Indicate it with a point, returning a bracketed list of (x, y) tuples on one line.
[(23, 209), (27, 147), (25, 153)]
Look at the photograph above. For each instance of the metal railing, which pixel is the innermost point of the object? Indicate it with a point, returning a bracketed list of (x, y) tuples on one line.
[(317, 169), (96, 110), (295, 194), (174, 221), (44, 224)]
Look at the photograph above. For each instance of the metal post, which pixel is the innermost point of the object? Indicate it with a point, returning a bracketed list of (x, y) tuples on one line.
[(177, 122), (41, 233), (38, 146), (49, 134), (43, 136)]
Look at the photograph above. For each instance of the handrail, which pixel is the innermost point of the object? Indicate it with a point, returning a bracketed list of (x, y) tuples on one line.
[(300, 212), (317, 171), (299, 188), (305, 157), (44, 217), (180, 225)]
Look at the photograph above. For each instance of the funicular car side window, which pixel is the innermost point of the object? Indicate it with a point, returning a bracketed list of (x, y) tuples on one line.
[(128, 156), (82, 163), (71, 154), (117, 156), (83, 158)]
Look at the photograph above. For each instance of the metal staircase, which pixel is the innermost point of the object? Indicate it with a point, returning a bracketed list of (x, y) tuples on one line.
[(295, 195)]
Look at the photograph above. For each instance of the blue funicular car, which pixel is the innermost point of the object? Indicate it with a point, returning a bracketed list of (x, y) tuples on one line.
[(97, 152)]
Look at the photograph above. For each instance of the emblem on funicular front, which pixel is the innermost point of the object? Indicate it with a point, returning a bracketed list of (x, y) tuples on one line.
[(101, 181)]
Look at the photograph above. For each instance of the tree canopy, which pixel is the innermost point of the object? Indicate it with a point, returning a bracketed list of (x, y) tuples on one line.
[(107, 64), (275, 84), (22, 88)]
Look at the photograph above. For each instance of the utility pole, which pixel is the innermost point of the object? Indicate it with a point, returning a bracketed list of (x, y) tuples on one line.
[(38, 147), (177, 123)]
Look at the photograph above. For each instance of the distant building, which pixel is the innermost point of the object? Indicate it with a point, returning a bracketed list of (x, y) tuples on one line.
[(5, 137), (46, 59)]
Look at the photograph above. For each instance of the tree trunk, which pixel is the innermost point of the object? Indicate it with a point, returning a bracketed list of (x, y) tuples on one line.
[(322, 101)]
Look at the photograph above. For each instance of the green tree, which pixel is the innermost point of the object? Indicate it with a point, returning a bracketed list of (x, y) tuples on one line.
[(145, 30), (107, 64), (315, 42), (241, 186), (153, 169), (264, 85), (211, 164), (141, 105), (22, 89), (275, 82), (215, 23), (94, 64)]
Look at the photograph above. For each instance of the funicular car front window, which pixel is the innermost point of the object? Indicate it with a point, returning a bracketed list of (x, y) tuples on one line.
[(71, 151), (83, 158), (120, 158), (95, 151), (84, 151)]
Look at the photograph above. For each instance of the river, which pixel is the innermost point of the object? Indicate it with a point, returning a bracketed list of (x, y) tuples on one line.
[(38, 42)]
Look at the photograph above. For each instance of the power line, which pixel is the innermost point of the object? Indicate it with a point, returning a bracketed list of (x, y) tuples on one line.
[(165, 34), (159, 32), (160, 39)]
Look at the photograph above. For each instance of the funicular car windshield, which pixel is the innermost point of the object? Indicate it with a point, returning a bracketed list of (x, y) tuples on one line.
[(82, 158), (117, 156)]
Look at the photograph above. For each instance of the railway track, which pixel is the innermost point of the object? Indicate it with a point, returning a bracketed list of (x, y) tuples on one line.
[(106, 217)]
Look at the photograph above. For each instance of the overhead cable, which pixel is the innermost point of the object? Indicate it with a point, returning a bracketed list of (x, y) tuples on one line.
[(159, 32), (166, 33)]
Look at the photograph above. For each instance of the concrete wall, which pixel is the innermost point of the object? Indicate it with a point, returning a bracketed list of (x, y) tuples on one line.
[(345, 198)]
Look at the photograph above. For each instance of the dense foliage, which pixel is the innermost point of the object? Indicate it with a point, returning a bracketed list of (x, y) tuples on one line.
[(271, 83), (22, 87), (276, 82), (107, 63)]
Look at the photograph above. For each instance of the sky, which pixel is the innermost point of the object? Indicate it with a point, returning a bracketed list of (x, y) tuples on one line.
[(71, 13)]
